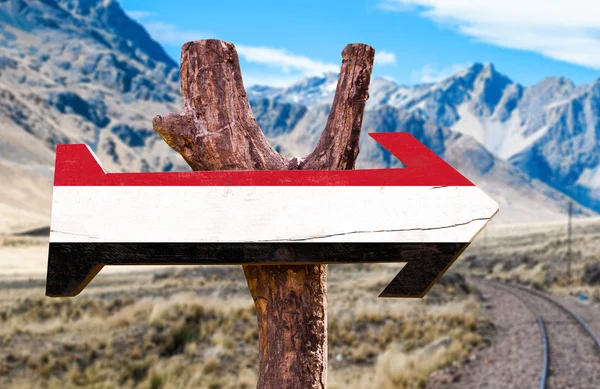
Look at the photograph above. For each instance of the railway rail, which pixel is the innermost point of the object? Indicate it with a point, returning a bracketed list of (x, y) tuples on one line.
[(558, 348)]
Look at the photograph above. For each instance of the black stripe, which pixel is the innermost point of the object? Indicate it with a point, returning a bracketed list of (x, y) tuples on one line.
[(71, 266)]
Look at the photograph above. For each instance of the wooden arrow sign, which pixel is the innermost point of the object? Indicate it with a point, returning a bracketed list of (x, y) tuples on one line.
[(425, 214)]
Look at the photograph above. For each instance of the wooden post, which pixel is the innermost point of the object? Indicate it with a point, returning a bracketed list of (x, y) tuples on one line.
[(216, 130)]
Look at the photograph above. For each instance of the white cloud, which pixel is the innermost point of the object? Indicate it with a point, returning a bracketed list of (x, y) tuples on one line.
[(170, 34), (284, 67), (275, 80), (430, 73), (284, 60), (396, 6), (139, 15), (166, 33), (384, 58), (559, 29)]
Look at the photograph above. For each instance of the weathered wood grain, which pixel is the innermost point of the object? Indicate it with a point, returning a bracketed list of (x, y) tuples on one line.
[(337, 148), (72, 265), (262, 214), (217, 131)]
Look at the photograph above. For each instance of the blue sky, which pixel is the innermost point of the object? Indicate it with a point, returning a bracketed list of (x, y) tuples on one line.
[(280, 42)]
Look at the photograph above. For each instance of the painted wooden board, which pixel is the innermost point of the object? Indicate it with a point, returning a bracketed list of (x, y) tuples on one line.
[(425, 214)]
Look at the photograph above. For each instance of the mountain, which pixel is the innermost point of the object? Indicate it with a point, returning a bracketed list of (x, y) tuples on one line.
[(81, 71), (76, 71), (549, 131), (566, 153), (521, 198)]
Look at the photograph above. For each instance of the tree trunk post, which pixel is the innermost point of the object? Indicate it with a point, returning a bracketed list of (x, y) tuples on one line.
[(216, 130)]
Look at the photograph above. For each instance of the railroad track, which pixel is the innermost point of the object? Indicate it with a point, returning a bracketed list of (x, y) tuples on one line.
[(570, 349)]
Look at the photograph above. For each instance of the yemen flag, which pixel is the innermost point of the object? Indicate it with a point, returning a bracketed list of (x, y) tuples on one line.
[(425, 214)]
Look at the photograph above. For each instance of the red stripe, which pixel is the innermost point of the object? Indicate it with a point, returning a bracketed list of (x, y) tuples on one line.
[(76, 166)]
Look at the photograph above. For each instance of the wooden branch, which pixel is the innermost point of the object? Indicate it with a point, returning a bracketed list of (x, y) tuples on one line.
[(337, 148), (217, 131)]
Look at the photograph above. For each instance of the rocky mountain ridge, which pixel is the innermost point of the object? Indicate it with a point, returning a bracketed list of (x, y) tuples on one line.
[(81, 71), (550, 131), (76, 71)]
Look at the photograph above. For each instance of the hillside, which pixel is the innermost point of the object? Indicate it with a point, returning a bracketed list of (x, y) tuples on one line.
[(83, 72), (76, 72)]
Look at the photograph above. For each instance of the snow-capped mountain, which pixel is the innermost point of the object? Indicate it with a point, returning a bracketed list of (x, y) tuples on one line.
[(566, 154), (81, 71), (521, 198), (550, 131)]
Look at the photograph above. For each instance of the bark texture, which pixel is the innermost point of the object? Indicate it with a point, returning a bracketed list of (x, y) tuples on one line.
[(216, 130)]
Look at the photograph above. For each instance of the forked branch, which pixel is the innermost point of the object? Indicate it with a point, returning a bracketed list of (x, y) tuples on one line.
[(216, 130)]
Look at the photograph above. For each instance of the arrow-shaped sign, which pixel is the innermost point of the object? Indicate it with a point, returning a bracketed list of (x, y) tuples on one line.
[(425, 214)]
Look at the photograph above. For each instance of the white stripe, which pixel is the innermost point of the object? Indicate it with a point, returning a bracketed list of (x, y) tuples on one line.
[(268, 213)]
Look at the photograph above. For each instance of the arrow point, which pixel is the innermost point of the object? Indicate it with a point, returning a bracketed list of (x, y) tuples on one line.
[(415, 155)]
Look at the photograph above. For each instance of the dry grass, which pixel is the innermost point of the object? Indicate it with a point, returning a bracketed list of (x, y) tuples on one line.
[(536, 255), (196, 328), (406, 352)]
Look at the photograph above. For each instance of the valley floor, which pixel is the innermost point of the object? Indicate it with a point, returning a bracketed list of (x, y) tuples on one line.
[(180, 327), (195, 327)]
